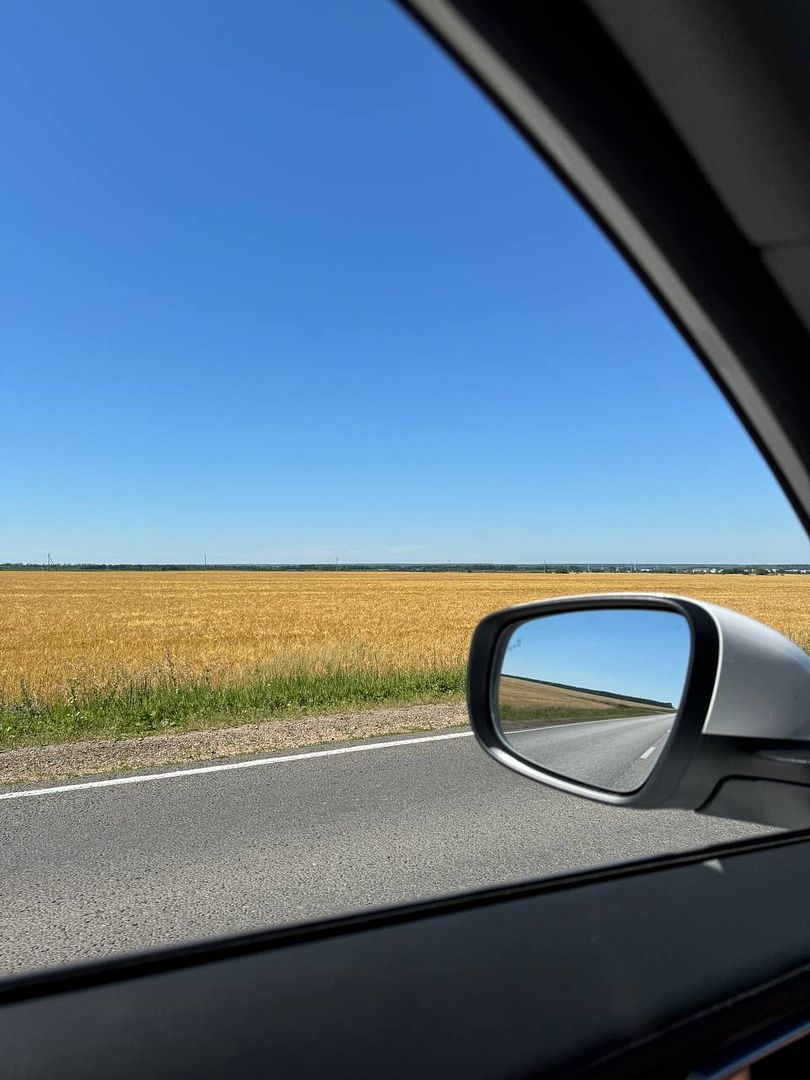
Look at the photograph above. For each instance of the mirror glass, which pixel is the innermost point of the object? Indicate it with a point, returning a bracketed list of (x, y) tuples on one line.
[(592, 695)]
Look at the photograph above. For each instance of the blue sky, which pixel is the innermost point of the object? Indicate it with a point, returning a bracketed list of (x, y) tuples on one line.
[(280, 285), (639, 653)]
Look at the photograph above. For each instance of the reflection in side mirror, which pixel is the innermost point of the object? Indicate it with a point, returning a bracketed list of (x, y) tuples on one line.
[(592, 695)]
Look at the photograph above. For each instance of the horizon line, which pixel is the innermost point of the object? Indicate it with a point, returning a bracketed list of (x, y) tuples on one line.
[(593, 566)]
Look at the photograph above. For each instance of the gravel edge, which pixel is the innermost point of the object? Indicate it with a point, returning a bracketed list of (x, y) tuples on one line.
[(33, 764)]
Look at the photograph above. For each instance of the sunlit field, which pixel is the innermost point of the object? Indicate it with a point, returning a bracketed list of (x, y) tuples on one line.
[(90, 654)]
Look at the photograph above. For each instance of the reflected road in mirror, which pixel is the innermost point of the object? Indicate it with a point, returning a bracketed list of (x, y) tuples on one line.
[(593, 695)]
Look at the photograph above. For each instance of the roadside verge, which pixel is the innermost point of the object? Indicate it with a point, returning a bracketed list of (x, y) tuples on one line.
[(63, 761)]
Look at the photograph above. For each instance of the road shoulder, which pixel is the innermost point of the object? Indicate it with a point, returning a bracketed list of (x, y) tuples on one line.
[(63, 761)]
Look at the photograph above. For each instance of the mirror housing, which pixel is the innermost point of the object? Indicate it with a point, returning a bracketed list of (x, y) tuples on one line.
[(740, 743)]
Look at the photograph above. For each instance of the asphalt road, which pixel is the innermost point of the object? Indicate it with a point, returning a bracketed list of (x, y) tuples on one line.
[(613, 754), (103, 870)]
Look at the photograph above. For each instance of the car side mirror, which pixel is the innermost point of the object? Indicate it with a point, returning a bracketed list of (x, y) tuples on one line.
[(647, 701)]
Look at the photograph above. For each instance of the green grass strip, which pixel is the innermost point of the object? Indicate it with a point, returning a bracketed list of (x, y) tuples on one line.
[(147, 706), (518, 716)]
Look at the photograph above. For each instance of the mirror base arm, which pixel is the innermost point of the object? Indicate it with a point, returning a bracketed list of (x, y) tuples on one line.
[(763, 802)]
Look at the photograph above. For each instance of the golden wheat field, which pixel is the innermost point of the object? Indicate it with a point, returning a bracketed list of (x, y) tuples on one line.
[(96, 628)]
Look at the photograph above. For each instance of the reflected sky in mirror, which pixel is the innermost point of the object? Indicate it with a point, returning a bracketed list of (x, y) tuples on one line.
[(637, 653)]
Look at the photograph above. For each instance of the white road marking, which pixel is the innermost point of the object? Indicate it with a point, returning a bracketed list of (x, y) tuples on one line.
[(647, 752), (118, 781)]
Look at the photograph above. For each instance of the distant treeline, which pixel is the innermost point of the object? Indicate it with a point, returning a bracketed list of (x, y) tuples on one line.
[(464, 568)]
